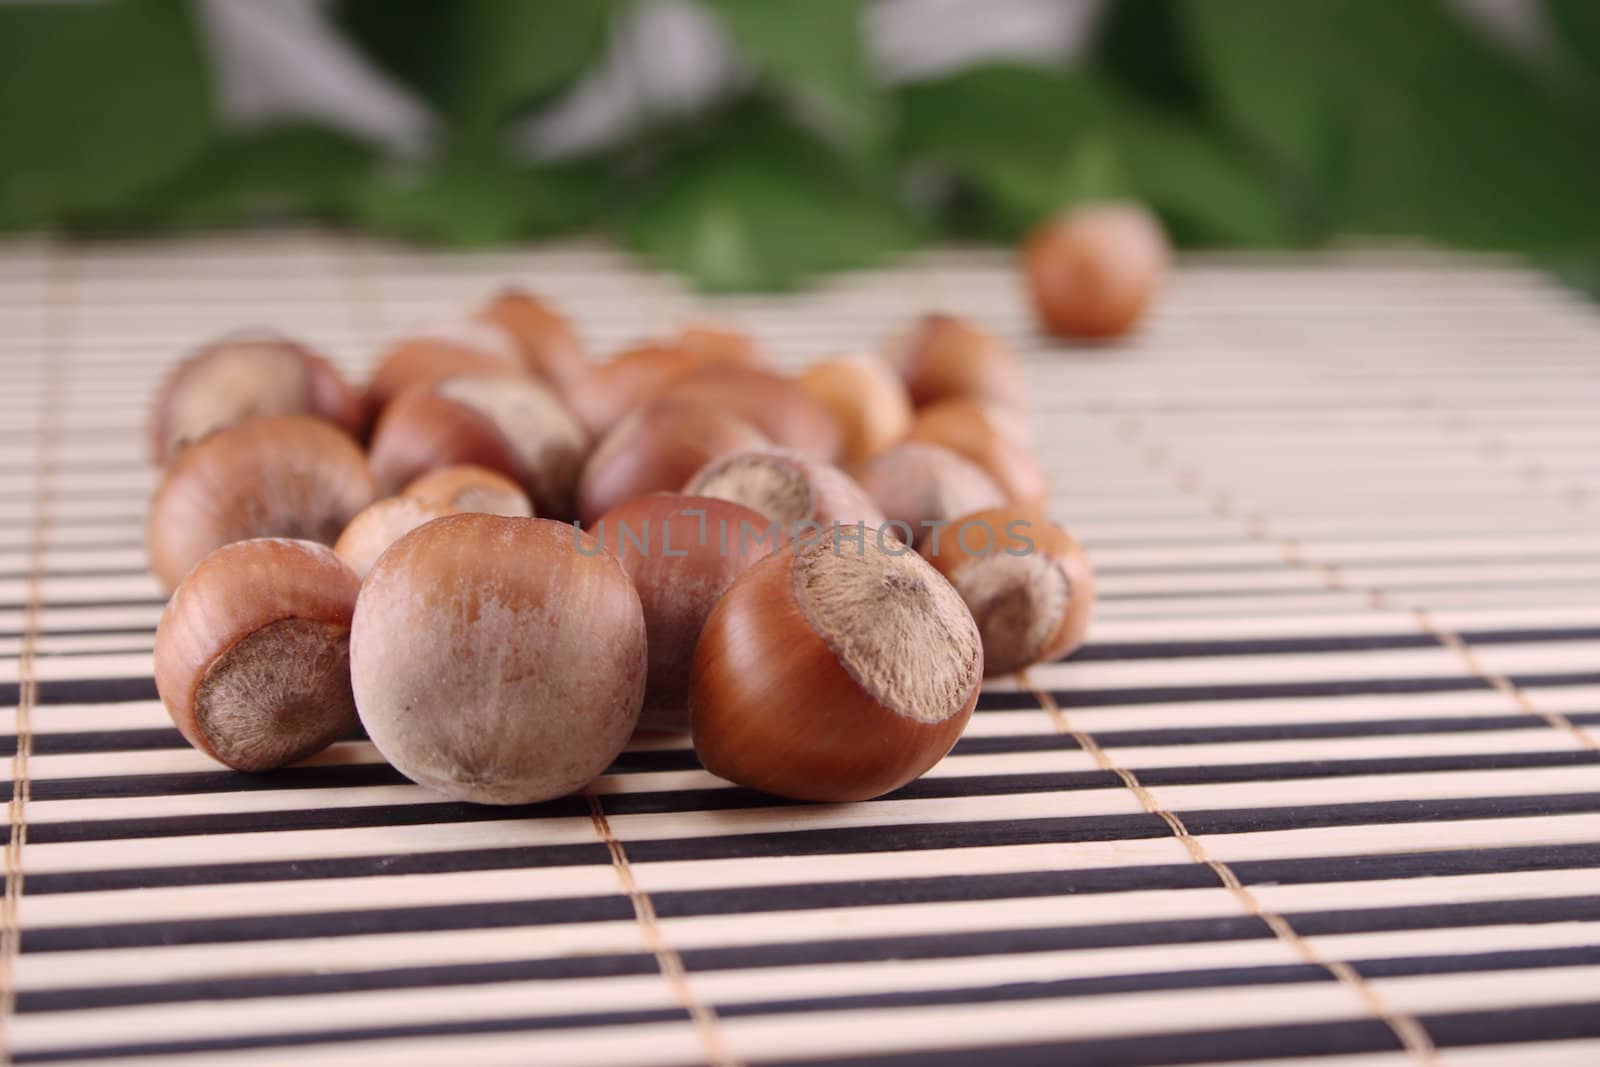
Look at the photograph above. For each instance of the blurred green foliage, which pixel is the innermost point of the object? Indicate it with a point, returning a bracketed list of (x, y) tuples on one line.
[(1252, 123)]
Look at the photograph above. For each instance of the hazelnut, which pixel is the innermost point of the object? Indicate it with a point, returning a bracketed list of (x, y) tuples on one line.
[(833, 676), (242, 376), (1093, 271), (773, 404), (991, 442), (468, 488), (789, 490), (657, 449), (867, 400), (635, 376), (943, 357), (1027, 582), (923, 485), (546, 341), (381, 524), (446, 351), (279, 476), (253, 653), (498, 660), (513, 425), (720, 343), (682, 553)]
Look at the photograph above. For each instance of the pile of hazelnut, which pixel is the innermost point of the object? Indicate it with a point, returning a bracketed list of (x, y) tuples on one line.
[(811, 574)]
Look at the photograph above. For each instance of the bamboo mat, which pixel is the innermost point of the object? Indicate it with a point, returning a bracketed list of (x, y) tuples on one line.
[(1325, 783)]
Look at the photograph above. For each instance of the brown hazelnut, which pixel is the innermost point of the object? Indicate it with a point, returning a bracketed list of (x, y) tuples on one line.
[(513, 425), (789, 490), (1092, 272), (498, 660), (243, 376), (446, 351), (546, 341), (987, 440), (944, 357), (657, 449), (281, 476), (773, 404), (465, 487), (923, 485), (637, 375), (682, 552), (253, 653), (867, 400), (1027, 582), (720, 343), (381, 524), (833, 676), (626, 381)]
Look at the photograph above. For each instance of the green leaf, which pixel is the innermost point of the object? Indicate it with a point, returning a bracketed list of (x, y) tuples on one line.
[(283, 171), (1577, 23), (1141, 45), (1403, 119), (477, 198), (102, 100), (763, 205), (813, 52), (1032, 141), (480, 61)]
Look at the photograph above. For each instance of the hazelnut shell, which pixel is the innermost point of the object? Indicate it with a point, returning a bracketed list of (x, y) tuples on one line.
[(828, 676), (498, 660), (289, 476), (1028, 584), (226, 643), (682, 553)]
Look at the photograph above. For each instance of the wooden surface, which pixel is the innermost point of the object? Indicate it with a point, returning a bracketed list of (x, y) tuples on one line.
[(1324, 783)]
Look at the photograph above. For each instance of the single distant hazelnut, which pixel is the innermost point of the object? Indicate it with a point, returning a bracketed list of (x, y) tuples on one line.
[(682, 553), (833, 676), (868, 401), (546, 341), (513, 425), (789, 490), (498, 660), (1093, 271), (252, 653), (657, 449), (281, 476), (465, 487), (987, 440), (449, 350), (923, 485), (1027, 582), (243, 376), (381, 524), (773, 404), (944, 357)]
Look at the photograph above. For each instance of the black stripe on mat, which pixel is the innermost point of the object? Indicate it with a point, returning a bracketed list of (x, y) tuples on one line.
[(1556, 1022), (563, 910), (640, 802), (1144, 650), (157, 738)]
